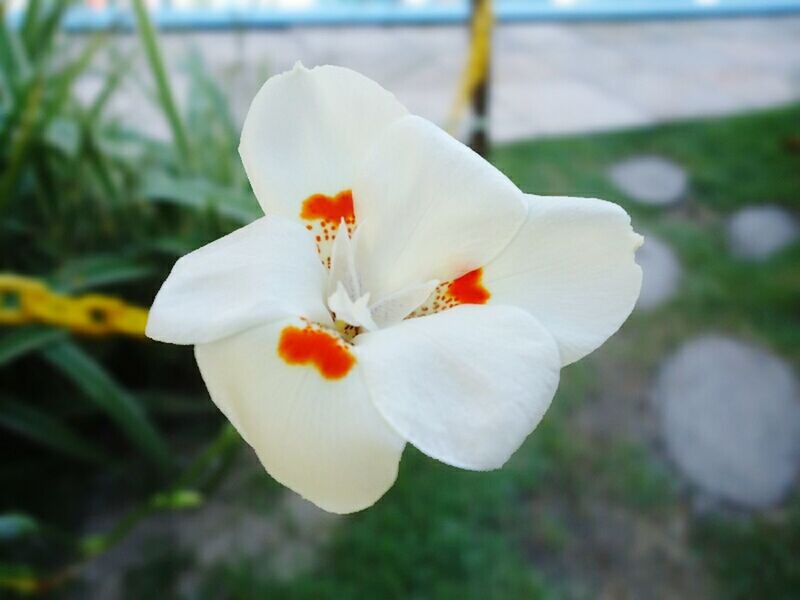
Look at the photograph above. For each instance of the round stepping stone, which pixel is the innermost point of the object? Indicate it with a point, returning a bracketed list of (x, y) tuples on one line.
[(661, 273), (730, 417), (650, 180), (758, 232)]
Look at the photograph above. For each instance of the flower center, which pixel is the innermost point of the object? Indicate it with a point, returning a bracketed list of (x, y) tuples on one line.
[(332, 220), (351, 304)]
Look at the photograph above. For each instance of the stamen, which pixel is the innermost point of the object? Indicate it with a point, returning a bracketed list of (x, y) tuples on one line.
[(354, 312)]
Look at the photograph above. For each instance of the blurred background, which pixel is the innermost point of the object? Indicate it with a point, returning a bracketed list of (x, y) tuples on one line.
[(667, 466)]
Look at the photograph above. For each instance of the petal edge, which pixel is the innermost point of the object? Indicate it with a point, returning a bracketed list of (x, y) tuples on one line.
[(264, 271), (465, 386), (306, 131), (320, 437), (572, 266)]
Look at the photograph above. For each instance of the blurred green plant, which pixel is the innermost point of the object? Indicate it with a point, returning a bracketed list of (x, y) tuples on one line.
[(88, 204), (754, 556)]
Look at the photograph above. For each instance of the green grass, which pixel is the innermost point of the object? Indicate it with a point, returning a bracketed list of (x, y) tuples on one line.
[(732, 161), (439, 533), (755, 557)]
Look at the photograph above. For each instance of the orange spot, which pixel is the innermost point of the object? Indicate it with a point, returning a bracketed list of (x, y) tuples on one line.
[(329, 208), (468, 289), (314, 346)]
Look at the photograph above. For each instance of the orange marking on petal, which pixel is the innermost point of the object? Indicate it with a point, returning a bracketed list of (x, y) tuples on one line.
[(468, 289), (309, 345), (329, 208)]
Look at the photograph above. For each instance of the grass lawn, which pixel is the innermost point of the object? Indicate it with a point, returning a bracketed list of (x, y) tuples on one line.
[(589, 504)]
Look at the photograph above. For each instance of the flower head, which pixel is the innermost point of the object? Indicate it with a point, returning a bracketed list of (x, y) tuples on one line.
[(400, 289)]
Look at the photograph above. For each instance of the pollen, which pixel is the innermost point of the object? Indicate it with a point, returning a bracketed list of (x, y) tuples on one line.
[(329, 208), (469, 289), (315, 347)]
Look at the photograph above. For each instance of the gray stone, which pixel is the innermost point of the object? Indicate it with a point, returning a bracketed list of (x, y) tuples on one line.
[(650, 180), (661, 273), (730, 418), (758, 232)]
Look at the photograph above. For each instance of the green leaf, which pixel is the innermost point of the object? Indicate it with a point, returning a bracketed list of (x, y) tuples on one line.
[(48, 29), (39, 27), (119, 68), (212, 128), (120, 406), (16, 525), (147, 35), (8, 66), (102, 166), (22, 340), (97, 270), (60, 85), (30, 23), (64, 135), (176, 405), (124, 149), (41, 428), (173, 246), (224, 444), (177, 499), (18, 577), (202, 195), (21, 138)]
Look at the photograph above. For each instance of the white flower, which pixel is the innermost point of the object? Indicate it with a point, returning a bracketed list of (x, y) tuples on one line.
[(401, 289)]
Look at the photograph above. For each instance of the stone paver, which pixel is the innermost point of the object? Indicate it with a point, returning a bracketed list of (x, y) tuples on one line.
[(758, 232), (730, 418), (661, 273), (650, 180), (548, 79)]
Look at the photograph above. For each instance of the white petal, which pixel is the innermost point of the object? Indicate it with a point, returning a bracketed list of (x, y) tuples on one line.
[(264, 271), (572, 267), (320, 437), (465, 386), (397, 306), (430, 208), (306, 132)]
